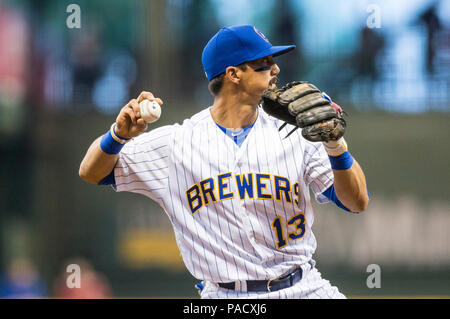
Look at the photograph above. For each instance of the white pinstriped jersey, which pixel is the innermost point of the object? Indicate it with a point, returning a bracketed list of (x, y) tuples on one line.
[(238, 213)]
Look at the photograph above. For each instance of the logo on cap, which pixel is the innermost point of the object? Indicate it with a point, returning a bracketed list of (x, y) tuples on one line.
[(261, 34)]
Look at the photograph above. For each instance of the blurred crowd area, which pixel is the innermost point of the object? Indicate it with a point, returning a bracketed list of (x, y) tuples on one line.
[(23, 280), (388, 55), (61, 85)]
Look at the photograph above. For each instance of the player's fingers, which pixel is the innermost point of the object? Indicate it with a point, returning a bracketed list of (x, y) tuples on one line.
[(134, 105), (122, 117), (141, 124), (149, 96), (129, 112), (139, 128), (145, 95)]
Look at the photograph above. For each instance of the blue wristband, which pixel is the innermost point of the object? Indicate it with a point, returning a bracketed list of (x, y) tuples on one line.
[(109, 145), (341, 162)]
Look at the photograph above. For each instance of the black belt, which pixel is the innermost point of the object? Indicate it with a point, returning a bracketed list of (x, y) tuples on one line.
[(268, 285)]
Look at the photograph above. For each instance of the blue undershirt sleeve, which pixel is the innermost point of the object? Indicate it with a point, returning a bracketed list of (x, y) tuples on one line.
[(331, 195), (108, 180)]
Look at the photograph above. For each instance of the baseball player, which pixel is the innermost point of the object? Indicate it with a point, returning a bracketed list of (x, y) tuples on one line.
[(235, 178)]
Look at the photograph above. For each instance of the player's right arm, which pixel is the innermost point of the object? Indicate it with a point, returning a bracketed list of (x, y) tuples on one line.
[(97, 164)]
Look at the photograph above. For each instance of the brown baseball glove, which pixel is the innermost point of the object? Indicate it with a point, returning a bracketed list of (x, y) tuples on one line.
[(303, 105)]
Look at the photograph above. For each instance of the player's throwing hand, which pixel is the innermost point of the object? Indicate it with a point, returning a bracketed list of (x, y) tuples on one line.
[(129, 122)]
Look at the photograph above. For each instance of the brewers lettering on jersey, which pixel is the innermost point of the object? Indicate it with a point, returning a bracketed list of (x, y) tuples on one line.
[(235, 188)]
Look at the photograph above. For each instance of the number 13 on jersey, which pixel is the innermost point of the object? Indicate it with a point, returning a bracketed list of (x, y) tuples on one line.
[(298, 222)]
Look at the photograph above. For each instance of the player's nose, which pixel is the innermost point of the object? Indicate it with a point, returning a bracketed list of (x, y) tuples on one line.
[(274, 70)]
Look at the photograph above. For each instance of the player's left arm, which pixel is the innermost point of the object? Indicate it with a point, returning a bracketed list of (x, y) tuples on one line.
[(304, 106), (350, 187), (349, 179)]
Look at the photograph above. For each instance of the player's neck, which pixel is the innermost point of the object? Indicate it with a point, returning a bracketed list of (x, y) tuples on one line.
[(232, 113)]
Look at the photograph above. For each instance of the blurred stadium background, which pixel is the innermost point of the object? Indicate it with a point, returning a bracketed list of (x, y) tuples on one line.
[(61, 87)]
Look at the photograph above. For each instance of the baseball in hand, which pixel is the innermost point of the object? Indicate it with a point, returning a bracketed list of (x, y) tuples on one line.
[(150, 111)]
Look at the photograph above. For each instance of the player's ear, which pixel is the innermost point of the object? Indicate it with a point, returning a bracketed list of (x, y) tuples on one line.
[(233, 74)]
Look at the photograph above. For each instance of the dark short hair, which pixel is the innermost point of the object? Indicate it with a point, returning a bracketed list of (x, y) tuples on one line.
[(215, 85)]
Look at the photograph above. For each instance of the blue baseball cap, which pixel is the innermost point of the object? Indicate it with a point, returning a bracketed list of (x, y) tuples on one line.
[(234, 45)]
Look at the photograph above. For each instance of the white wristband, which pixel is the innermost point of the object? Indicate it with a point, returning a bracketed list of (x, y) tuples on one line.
[(116, 137), (336, 148)]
